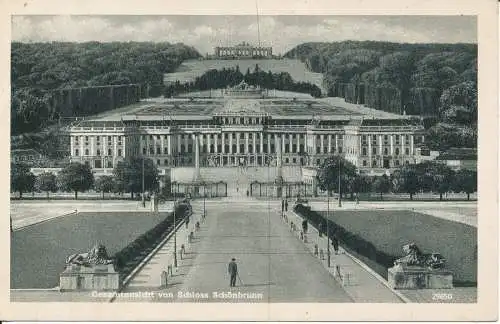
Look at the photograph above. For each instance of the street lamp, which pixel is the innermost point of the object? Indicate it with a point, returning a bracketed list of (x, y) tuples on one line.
[(340, 190), (175, 236), (328, 226), (143, 200)]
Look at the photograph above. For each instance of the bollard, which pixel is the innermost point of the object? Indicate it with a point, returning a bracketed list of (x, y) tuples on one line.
[(191, 237), (169, 270), (316, 249), (321, 254), (301, 235), (183, 250), (164, 279)]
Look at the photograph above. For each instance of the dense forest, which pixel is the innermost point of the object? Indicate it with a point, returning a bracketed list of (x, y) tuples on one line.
[(37, 69), (218, 79), (423, 79)]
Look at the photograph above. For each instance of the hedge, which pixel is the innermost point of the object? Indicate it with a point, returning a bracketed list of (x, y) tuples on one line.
[(131, 255), (350, 241)]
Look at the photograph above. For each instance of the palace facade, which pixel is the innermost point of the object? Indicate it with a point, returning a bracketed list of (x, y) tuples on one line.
[(243, 50), (231, 130)]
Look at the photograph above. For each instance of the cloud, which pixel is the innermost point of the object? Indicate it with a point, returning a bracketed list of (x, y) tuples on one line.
[(280, 32)]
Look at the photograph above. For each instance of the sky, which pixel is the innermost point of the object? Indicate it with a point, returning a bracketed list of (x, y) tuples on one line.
[(281, 32)]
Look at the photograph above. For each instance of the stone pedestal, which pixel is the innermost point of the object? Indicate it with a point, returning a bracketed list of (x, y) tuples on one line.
[(98, 278), (416, 277)]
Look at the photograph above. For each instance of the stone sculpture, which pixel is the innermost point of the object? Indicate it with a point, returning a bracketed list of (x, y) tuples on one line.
[(96, 256)]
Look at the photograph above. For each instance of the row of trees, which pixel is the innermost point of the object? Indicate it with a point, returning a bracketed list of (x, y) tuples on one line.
[(436, 78), (336, 174), (219, 79), (128, 176)]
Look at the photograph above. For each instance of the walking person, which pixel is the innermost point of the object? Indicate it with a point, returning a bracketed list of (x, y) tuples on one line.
[(286, 205), (187, 222), (304, 225), (320, 229), (335, 243), (233, 272), (282, 205)]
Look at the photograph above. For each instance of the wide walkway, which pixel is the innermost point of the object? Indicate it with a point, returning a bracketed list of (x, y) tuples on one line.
[(274, 266)]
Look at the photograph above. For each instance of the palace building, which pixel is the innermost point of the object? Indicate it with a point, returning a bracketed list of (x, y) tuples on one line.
[(243, 50), (250, 126)]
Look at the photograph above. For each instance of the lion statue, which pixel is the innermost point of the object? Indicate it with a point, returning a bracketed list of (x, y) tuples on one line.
[(96, 255), (415, 257)]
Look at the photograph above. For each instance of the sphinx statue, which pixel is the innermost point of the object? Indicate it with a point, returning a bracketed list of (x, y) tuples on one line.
[(96, 256), (415, 257)]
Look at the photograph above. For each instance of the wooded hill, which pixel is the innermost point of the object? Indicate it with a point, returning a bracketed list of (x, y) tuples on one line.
[(398, 77), (39, 68), (438, 80)]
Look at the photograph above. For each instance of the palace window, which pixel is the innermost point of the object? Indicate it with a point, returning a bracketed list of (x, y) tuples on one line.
[(396, 162), (157, 162), (287, 160), (119, 152), (242, 136), (374, 150), (165, 150), (151, 151), (407, 151), (86, 151), (397, 150), (397, 139), (340, 150), (318, 162), (294, 148), (98, 152), (386, 151), (233, 135), (233, 148), (242, 120), (151, 137), (407, 140), (77, 152), (265, 148), (318, 150), (211, 147), (242, 148), (86, 138), (301, 148), (182, 148), (364, 163), (325, 149), (143, 151), (190, 148), (364, 151), (363, 139), (143, 137), (164, 136), (219, 136), (165, 162), (219, 148), (374, 140), (273, 150), (386, 140), (158, 150), (374, 163), (250, 148), (157, 136), (250, 135), (226, 148)]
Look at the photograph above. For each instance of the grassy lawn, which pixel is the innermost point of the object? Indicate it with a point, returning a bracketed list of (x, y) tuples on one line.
[(39, 252), (389, 230)]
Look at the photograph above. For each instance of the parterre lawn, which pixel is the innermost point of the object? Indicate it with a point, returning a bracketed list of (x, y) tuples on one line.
[(39, 252), (389, 230)]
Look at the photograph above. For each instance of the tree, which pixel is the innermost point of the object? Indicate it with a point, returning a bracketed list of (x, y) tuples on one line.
[(128, 173), (328, 174), (360, 183), (21, 179), (442, 177), (382, 184), (465, 181), (406, 180), (46, 182), (76, 177), (104, 184)]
